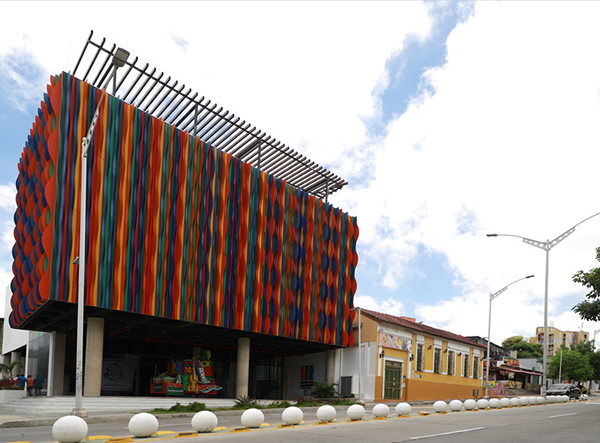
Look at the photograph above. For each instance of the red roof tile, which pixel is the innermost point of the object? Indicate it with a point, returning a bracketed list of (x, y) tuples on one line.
[(420, 327)]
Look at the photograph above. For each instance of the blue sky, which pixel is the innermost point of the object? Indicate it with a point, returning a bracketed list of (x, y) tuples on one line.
[(448, 119)]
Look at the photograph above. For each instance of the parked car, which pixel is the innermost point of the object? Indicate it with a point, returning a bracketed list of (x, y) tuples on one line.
[(564, 389)]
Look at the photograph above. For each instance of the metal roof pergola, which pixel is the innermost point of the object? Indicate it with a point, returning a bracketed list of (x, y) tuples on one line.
[(165, 99)]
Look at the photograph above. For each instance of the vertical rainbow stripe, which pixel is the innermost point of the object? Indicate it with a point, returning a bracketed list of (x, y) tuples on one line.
[(176, 228)]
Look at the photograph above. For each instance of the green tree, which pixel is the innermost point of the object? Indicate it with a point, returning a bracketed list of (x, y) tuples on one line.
[(5, 369), (524, 348), (587, 349), (574, 366), (589, 309)]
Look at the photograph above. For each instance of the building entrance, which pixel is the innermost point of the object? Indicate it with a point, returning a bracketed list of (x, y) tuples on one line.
[(392, 388)]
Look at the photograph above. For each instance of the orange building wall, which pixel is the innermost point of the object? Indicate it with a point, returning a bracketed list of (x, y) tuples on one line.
[(418, 389)]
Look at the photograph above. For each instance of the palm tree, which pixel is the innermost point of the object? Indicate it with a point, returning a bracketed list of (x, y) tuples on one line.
[(6, 369)]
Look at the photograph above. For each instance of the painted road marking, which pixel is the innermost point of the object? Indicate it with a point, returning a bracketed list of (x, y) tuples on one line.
[(562, 415), (447, 433)]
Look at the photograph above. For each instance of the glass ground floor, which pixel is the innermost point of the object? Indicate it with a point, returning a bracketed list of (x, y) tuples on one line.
[(133, 367)]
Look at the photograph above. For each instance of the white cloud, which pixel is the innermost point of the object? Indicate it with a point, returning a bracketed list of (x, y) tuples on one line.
[(506, 142), (7, 197), (390, 306)]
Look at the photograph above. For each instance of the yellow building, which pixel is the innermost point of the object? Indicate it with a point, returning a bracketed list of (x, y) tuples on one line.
[(558, 338), (411, 361)]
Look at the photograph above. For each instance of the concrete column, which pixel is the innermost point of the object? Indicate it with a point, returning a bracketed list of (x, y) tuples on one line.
[(16, 356), (243, 367), (330, 368), (56, 371), (93, 357)]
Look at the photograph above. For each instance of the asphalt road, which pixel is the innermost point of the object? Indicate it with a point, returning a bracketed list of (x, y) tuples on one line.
[(572, 422)]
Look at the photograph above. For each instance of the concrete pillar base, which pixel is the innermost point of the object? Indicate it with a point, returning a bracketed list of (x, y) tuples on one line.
[(243, 367), (93, 357)]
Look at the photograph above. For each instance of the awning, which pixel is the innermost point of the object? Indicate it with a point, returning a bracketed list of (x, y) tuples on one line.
[(518, 371)]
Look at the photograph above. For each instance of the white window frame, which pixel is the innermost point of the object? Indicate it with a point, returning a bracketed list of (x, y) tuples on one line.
[(450, 369)]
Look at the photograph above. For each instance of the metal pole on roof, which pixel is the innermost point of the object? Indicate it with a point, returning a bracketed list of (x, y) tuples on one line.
[(196, 112), (119, 60), (259, 149), (487, 357)]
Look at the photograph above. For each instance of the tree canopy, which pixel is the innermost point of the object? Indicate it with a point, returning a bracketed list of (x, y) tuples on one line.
[(574, 365), (589, 309), (6, 368), (524, 348)]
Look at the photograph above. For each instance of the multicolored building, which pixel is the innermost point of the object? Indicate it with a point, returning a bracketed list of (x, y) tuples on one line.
[(198, 264)]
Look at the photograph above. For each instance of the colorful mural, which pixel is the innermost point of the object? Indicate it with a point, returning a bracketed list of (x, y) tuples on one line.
[(498, 387), (395, 342), (176, 228)]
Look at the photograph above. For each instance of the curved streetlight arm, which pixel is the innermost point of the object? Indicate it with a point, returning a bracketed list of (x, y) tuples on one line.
[(496, 294), (548, 244)]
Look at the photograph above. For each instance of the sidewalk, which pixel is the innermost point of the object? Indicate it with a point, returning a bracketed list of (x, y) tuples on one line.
[(10, 419)]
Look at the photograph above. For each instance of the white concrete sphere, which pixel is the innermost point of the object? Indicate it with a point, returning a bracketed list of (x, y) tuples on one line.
[(566, 398), (253, 418), (381, 410), (204, 421), (440, 406), (524, 401), (470, 404), (584, 397), (482, 403), (143, 425), (455, 405), (355, 412), (540, 400), (403, 409), (505, 402), (533, 400), (515, 401), (292, 415), (494, 403), (326, 413), (69, 429), (550, 399)]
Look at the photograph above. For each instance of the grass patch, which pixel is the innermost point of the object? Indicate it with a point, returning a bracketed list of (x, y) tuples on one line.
[(243, 403), (179, 408)]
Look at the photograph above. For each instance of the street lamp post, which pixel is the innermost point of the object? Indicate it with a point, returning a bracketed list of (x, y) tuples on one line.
[(487, 362), (546, 246), (359, 349), (118, 61)]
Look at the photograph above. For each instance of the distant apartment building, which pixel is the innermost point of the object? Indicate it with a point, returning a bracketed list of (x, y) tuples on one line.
[(558, 338)]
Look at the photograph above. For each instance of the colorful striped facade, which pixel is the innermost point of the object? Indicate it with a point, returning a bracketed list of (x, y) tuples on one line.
[(176, 228)]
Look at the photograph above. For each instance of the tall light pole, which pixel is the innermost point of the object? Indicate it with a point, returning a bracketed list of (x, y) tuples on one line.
[(546, 246), (359, 309), (118, 61), (487, 360), (595, 332)]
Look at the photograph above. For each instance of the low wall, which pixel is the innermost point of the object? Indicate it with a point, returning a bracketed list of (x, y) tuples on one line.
[(426, 390), (8, 395)]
